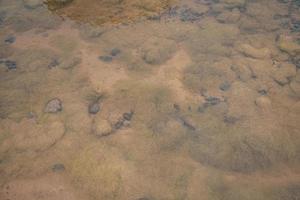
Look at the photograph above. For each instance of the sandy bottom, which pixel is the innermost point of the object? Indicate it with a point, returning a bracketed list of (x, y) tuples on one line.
[(200, 101)]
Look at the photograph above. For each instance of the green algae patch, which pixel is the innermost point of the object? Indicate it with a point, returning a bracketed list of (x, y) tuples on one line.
[(108, 11)]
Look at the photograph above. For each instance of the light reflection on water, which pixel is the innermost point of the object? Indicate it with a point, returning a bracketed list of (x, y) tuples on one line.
[(150, 100)]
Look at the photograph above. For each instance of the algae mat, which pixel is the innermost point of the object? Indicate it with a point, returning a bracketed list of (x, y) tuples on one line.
[(108, 11)]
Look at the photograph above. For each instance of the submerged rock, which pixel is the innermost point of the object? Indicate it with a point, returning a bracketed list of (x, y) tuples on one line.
[(10, 39), (58, 167), (10, 64), (209, 101), (190, 15), (105, 58), (128, 115), (225, 86), (94, 108), (53, 106), (115, 52), (54, 63)]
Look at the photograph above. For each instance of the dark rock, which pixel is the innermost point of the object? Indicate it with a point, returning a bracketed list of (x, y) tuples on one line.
[(53, 106), (10, 64), (128, 115), (209, 101), (10, 39), (54, 63), (94, 108), (189, 15), (106, 58), (115, 52), (58, 167), (225, 86), (263, 92), (119, 124), (230, 119), (124, 120), (188, 124), (295, 26), (212, 101)]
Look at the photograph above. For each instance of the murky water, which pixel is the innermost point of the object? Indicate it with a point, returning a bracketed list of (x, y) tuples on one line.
[(150, 100)]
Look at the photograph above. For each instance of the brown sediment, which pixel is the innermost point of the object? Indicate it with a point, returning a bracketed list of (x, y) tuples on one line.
[(108, 11)]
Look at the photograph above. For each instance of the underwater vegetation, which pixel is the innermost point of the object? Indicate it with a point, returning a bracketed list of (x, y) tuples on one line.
[(108, 11)]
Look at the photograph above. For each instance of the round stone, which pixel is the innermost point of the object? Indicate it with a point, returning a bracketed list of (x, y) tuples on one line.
[(54, 106)]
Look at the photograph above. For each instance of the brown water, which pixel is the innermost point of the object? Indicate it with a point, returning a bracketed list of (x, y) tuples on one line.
[(150, 100)]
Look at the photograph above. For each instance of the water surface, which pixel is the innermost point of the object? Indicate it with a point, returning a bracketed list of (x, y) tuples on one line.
[(150, 100)]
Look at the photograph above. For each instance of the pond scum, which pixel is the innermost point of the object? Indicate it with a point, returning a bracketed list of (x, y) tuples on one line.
[(149, 100)]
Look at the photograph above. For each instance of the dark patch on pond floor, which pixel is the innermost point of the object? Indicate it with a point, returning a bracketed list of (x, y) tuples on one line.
[(10, 64)]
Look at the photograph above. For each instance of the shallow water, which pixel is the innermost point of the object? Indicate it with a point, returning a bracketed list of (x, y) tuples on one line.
[(150, 100)]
